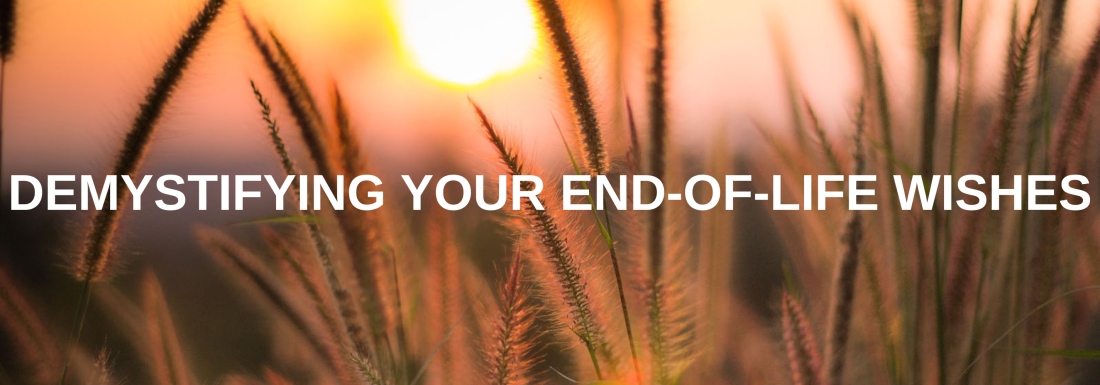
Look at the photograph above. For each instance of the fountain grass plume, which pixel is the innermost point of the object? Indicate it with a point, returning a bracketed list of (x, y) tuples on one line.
[(303, 108), (297, 99), (94, 259), (882, 101), (875, 86), (574, 289), (350, 154), (822, 138), (349, 312), (658, 98), (363, 230), (580, 94), (273, 132), (1041, 122), (930, 31), (658, 154), (1076, 105), (1015, 82), (505, 152), (1045, 268), (367, 371), (801, 345), (997, 150), (658, 138), (1055, 28), (295, 75), (510, 348), (843, 291)]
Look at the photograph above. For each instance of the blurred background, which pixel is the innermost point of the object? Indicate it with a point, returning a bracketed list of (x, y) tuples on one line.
[(81, 67)]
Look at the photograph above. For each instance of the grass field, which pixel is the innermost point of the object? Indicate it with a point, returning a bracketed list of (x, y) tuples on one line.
[(665, 296)]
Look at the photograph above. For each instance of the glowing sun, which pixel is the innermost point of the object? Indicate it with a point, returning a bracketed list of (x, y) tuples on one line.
[(467, 41)]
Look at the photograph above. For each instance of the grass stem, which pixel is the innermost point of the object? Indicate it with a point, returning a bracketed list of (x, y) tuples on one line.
[(78, 327)]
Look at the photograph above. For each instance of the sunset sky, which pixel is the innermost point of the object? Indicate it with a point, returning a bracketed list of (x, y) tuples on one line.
[(80, 69)]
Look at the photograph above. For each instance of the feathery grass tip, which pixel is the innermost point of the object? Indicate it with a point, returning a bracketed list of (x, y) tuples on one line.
[(555, 247), (580, 95), (94, 258), (510, 347)]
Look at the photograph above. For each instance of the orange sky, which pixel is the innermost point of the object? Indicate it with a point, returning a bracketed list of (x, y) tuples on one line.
[(80, 69)]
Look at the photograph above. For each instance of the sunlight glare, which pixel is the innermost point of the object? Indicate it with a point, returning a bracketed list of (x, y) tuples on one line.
[(467, 41)]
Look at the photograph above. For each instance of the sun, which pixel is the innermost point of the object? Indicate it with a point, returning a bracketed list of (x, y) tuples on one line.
[(467, 42)]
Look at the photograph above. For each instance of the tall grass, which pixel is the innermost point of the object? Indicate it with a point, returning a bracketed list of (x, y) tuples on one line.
[(997, 149), (801, 345), (930, 17), (658, 302), (94, 258), (378, 298), (510, 349), (555, 248), (843, 291), (1047, 271), (346, 329), (365, 230), (365, 255), (580, 94)]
